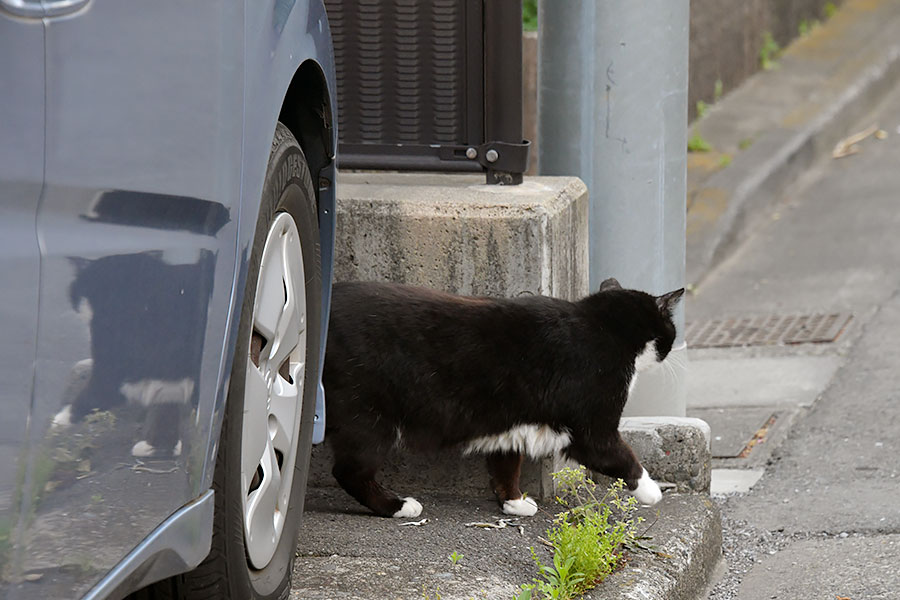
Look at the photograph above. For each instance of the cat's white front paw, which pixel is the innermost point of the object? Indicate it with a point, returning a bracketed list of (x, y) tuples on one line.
[(411, 508), (521, 507), (647, 491)]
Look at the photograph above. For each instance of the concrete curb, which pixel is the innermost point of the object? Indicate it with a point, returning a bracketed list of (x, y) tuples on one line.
[(793, 116), (674, 450), (347, 554), (687, 541)]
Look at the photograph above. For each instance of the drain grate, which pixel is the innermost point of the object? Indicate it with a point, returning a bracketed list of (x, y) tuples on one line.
[(767, 330)]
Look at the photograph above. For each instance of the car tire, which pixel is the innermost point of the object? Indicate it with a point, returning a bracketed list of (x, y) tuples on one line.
[(244, 562)]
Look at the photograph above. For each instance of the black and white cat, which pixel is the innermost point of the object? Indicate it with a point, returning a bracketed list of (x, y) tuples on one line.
[(504, 377)]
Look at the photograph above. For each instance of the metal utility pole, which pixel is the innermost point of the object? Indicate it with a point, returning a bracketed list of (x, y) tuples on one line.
[(612, 98)]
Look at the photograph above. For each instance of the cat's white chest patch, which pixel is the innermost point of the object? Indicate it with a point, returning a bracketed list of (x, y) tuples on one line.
[(537, 441), (647, 358)]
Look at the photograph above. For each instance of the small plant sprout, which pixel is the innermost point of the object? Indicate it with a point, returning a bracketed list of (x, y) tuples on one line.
[(829, 9), (702, 107), (524, 592), (724, 160), (717, 91), (698, 144), (769, 52), (455, 557)]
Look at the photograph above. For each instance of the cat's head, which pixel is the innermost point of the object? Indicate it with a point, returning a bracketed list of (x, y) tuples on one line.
[(645, 319)]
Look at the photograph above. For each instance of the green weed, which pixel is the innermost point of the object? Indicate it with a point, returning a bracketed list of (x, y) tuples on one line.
[(524, 592), (724, 160), (702, 107), (745, 143), (806, 27), (529, 15), (587, 537), (698, 144), (717, 90), (829, 9), (455, 557), (769, 52)]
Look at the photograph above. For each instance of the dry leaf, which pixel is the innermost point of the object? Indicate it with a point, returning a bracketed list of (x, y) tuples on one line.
[(848, 145)]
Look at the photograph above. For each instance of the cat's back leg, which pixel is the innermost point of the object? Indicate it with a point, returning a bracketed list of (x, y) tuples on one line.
[(504, 469), (356, 465)]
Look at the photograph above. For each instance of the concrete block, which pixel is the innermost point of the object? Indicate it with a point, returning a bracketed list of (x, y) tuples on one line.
[(454, 233), (674, 450)]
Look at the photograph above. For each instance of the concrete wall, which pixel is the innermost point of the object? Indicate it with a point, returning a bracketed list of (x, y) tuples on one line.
[(726, 37)]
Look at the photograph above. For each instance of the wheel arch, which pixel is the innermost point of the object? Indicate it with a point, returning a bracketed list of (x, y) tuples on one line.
[(306, 110), (296, 82)]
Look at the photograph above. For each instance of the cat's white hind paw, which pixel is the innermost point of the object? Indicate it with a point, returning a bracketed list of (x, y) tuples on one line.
[(63, 418), (143, 449), (522, 507), (647, 491), (411, 508)]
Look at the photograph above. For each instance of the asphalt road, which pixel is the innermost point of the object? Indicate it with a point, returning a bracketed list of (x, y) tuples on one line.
[(823, 522)]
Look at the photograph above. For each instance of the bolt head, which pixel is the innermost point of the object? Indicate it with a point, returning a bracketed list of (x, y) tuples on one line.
[(491, 156), (471, 153)]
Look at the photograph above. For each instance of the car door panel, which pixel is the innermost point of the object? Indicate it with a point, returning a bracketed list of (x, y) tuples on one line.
[(137, 233)]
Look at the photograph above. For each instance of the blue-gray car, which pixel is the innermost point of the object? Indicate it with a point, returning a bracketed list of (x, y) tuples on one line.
[(166, 239)]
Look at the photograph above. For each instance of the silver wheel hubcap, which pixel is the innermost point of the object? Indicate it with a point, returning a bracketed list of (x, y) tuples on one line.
[(273, 390)]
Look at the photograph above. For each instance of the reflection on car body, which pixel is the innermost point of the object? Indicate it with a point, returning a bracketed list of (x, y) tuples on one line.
[(134, 147)]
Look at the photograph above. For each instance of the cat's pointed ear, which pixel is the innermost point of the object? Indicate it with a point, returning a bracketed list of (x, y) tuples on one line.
[(667, 302), (610, 284)]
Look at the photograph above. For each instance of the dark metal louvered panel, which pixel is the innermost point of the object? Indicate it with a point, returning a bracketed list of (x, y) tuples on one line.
[(447, 70), (401, 68), (369, 67), (430, 85)]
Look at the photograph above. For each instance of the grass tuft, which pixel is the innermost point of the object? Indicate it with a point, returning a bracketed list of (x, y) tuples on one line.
[(587, 537), (769, 52), (702, 107), (698, 144)]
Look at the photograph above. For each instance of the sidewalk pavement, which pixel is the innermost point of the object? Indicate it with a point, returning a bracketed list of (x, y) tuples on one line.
[(767, 133), (832, 249)]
